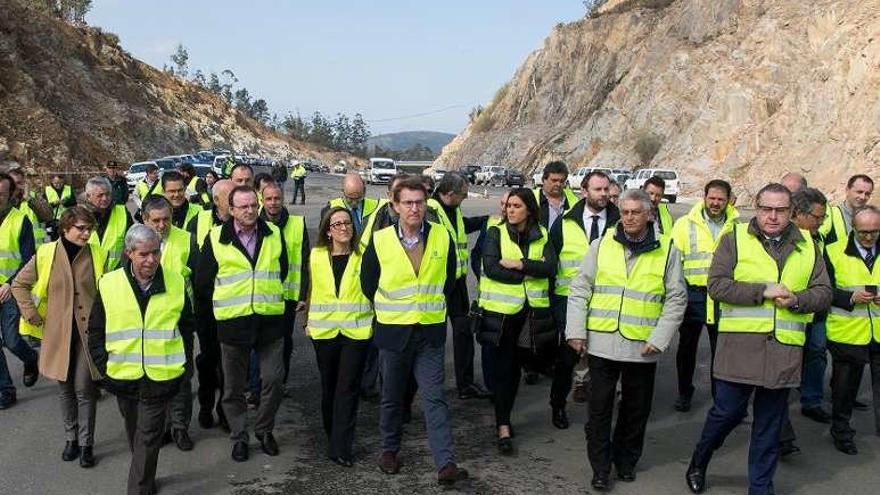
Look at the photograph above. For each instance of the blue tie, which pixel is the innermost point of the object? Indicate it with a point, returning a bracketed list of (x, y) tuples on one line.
[(356, 214)]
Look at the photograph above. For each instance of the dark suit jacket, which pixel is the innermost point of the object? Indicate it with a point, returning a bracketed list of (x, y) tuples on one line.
[(396, 337)]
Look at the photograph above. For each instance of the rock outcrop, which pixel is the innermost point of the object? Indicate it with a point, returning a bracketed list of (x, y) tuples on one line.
[(71, 97), (739, 89)]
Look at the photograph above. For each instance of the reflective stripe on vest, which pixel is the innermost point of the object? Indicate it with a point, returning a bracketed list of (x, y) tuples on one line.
[(10, 250), (628, 301), (349, 312), (859, 326), (39, 292), (139, 345), (404, 297), (575, 246), (754, 265), (458, 233), (293, 240), (113, 239), (242, 290), (509, 299)]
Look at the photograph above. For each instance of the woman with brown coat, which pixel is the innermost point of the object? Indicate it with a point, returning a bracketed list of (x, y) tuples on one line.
[(61, 281)]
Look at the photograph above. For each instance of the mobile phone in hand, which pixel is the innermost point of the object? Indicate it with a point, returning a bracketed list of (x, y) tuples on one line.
[(871, 288)]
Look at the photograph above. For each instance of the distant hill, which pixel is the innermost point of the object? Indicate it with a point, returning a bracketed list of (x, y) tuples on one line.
[(399, 141)]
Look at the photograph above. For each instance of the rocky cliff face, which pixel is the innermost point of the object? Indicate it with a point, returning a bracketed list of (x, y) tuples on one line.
[(71, 97), (739, 89)]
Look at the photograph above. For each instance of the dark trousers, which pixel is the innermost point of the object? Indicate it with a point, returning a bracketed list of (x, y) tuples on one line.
[(371, 370), (426, 360), (815, 363), (729, 409), (846, 375), (78, 396), (209, 370), (341, 364), (624, 448), (180, 406), (507, 361), (235, 369), (299, 189), (686, 357), (144, 426), (463, 351), (563, 371)]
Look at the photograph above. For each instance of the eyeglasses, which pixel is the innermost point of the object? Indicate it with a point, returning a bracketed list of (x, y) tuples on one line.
[(340, 225), (779, 210), (820, 218), (83, 228), (868, 233), (413, 205), (353, 199), (248, 207)]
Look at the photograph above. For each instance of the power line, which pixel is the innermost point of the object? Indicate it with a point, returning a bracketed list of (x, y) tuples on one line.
[(416, 115)]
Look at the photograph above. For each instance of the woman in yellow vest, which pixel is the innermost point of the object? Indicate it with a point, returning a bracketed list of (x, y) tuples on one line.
[(55, 291), (518, 261), (340, 325)]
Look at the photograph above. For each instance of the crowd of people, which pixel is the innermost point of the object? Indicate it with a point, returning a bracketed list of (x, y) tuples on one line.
[(587, 290)]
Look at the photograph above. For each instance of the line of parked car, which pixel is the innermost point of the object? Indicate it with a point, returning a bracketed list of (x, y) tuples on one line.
[(203, 161)]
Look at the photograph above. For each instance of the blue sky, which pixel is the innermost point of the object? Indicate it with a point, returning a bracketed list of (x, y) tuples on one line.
[(386, 60)]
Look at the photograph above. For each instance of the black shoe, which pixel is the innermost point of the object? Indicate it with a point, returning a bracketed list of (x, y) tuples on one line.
[(683, 403), (600, 482), (859, 405), (560, 419), (31, 373), (206, 418), (473, 391), (268, 443), (167, 438), (7, 399), (695, 478), (848, 447), (627, 475), (451, 474), (240, 452), (182, 440), (531, 378), (86, 457), (505, 445), (343, 461), (788, 449), (817, 414), (71, 451)]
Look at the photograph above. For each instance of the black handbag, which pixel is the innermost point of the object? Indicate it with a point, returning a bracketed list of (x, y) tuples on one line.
[(486, 327), (542, 328)]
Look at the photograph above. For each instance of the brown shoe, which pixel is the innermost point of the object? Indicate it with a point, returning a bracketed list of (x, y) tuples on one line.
[(580, 393), (388, 462), (450, 474)]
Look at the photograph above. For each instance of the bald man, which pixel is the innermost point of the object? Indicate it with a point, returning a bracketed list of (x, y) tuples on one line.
[(208, 361), (353, 198), (793, 181)]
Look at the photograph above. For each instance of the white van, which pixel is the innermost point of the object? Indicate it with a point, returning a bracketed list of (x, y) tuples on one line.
[(381, 170), (670, 177)]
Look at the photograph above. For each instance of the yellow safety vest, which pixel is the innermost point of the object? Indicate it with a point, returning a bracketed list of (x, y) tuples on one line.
[(665, 218), (204, 224), (575, 246), (367, 234), (113, 240), (349, 312), (404, 297), (293, 240), (509, 299), (242, 290), (40, 235), (754, 265), (570, 196), (458, 233), (629, 302), (191, 191), (298, 172), (369, 206), (144, 189), (139, 345), (834, 221), (53, 198), (40, 291), (10, 250), (859, 326)]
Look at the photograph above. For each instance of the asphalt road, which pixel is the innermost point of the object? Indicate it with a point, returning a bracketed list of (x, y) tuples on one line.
[(547, 460)]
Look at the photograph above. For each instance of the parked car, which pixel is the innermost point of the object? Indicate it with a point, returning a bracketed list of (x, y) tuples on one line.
[(470, 173), (437, 174), (381, 170), (575, 179), (508, 178), (218, 163), (670, 177), (136, 173), (483, 175)]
